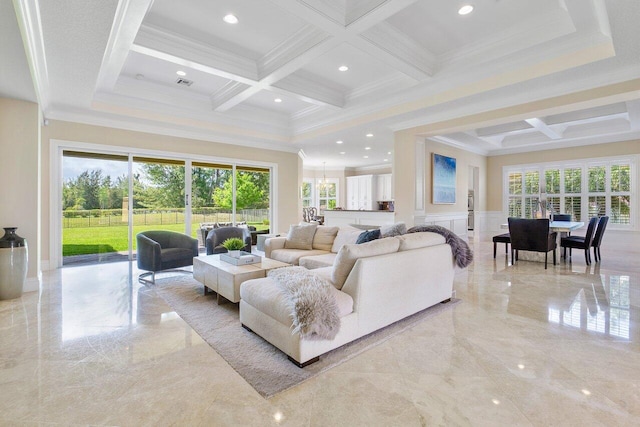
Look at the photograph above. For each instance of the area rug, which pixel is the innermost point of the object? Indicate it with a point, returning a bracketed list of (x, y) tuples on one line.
[(262, 365)]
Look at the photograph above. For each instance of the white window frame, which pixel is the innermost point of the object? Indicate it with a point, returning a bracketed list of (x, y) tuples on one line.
[(584, 165)]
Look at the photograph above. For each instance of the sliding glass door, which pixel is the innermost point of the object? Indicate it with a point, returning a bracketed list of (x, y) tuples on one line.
[(108, 198)]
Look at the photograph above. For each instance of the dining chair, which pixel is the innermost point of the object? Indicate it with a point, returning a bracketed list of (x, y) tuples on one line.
[(563, 217), (501, 238), (532, 235), (597, 237), (580, 242)]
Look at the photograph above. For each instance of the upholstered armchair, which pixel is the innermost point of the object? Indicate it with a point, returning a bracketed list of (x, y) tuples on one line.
[(219, 235), (163, 250), (532, 235)]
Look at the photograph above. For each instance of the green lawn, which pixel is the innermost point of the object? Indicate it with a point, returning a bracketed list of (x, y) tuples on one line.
[(92, 240)]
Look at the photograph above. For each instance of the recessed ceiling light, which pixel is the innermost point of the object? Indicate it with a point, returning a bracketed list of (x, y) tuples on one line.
[(388, 152), (277, 100), (342, 152), (386, 160), (365, 157), (139, 76), (338, 142), (181, 73), (465, 10), (343, 68), (369, 135), (367, 148), (230, 19)]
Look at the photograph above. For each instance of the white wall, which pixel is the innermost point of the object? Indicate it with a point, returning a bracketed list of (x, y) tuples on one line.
[(20, 177)]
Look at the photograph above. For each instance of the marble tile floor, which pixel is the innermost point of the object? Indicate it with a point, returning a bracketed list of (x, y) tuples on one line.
[(526, 347)]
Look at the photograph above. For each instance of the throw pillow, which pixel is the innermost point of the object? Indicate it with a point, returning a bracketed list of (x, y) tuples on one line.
[(368, 236), (300, 237), (324, 237), (392, 230), (349, 254), (346, 235)]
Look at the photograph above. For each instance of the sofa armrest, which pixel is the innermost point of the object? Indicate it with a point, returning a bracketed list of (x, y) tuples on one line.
[(148, 253), (272, 244)]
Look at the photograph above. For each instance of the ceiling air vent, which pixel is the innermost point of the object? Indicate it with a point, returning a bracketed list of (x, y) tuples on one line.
[(183, 82)]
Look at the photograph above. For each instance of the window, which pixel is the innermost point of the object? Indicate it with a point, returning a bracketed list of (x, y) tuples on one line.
[(572, 189), (306, 192), (592, 188), (620, 194), (327, 194)]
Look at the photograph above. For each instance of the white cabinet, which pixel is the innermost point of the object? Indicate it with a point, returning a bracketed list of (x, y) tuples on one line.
[(360, 192), (384, 187)]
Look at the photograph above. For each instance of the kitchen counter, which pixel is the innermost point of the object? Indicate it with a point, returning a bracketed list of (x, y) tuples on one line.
[(357, 217)]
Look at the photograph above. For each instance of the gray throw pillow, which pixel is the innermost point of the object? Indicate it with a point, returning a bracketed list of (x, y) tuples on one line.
[(368, 236), (300, 237)]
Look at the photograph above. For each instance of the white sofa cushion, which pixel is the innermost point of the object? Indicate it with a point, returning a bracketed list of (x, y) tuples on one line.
[(349, 254), (317, 261), (300, 237), (292, 256), (419, 240), (265, 295), (324, 237), (346, 235)]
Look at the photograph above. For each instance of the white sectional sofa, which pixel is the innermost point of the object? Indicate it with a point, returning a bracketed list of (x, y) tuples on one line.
[(376, 284), (327, 241)]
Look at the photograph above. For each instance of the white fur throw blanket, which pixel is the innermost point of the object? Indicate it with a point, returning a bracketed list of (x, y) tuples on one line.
[(312, 305)]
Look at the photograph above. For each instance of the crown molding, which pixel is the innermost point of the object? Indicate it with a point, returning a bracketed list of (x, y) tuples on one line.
[(163, 125), (227, 92), (402, 48), (550, 26), (195, 110), (293, 47), (167, 45), (30, 24), (396, 81), (311, 91)]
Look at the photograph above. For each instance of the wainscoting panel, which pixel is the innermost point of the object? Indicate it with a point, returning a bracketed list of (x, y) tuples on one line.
[(455, 221)]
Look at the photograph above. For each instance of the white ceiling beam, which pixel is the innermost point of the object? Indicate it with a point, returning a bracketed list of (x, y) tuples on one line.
[(126, 24), (542, 127)]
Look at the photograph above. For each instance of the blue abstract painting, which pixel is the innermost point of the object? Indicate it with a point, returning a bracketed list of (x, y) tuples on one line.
[(444, 179)]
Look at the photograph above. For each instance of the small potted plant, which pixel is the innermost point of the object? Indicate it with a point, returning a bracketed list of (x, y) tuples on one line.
[(233, 245)]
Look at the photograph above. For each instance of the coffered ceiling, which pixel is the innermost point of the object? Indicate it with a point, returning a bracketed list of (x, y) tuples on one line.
[(481, 81)]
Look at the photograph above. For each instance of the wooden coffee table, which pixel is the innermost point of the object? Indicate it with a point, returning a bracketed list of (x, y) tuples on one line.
[(225, 279)]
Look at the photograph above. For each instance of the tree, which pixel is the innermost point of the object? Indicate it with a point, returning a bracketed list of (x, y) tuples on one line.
[(248, 194)]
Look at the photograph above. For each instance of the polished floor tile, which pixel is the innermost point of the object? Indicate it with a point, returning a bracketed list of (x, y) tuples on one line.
[(526, 346)]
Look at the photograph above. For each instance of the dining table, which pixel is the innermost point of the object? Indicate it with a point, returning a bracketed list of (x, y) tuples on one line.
[(559, 226)]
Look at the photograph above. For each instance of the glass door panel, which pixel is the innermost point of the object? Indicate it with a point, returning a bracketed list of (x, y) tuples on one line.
[(210, 205), (253, 196), (94, 207), (158, 195)]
